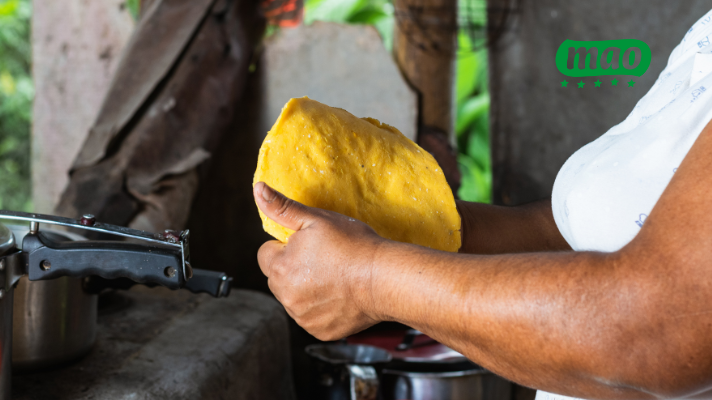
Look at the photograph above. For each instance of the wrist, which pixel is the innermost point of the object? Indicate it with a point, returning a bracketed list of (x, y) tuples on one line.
[(368, 289), (466, 227)]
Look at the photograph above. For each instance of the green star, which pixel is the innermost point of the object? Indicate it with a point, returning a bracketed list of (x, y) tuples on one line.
[(564, 83), (598, 83), (614, 82), (631, 83), (580, 84)]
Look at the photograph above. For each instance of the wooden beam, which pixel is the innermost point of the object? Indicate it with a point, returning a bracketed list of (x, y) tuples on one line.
[(424, 47)]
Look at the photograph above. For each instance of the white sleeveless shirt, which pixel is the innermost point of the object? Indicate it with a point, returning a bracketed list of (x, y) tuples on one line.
[(605, 191)]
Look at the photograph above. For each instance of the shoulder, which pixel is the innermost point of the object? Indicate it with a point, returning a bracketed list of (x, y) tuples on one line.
[(697, 38)]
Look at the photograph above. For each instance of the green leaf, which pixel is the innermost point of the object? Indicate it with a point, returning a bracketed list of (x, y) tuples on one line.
[(332, 10), (479, 151), (378, 13), (471, 109), (16, 92), (8, 8), (7, 83), (385, 28), (134, 7), (473, 13), (367, 16), (467, 65), (8, 145), (476, 183)]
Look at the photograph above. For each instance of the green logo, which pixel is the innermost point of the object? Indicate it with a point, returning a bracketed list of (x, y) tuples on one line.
[(603, 57)]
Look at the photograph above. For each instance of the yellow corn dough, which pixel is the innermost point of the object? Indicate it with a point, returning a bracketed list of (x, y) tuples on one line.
[(325, 157)]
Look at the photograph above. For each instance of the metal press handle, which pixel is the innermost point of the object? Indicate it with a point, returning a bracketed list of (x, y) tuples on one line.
[(47, 259), (89, 223)]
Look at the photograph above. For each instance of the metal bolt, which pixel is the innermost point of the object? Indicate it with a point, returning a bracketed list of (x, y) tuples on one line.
[(45, 265), (88, 220), (34, 227), (170, 272), (171, 236)]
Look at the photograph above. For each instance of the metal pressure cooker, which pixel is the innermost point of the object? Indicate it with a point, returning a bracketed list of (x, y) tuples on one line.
[(54, 321), (423, 369), (54, 261)]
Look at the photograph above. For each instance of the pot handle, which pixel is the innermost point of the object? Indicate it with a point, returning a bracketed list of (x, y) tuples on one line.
[(47, 259), (363, 382), (216, 284)]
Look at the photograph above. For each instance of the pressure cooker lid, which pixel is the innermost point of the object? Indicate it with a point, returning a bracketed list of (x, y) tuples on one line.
[(7, 239), (408, 345)]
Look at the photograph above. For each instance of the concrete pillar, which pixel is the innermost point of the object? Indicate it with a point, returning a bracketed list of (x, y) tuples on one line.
[(76, 45)]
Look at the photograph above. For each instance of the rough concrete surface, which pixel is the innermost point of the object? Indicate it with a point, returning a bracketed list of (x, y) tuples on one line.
[(176, 345)]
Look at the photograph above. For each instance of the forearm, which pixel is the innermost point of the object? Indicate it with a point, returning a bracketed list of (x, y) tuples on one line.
[(564, 322), (488, 229)]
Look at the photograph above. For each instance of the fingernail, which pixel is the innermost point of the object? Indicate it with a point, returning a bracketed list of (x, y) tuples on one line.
[(268, 194)]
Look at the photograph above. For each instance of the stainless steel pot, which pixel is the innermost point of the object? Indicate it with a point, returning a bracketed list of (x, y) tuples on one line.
[(53, 322), (7, 245), (423, 369), (347, 372), (473, 383)]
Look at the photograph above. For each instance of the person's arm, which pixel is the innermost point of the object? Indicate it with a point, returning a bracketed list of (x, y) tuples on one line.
[(488, 229), (629, 324)]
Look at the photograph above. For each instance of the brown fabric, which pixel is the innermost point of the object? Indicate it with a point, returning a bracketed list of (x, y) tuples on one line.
[(140, 165)]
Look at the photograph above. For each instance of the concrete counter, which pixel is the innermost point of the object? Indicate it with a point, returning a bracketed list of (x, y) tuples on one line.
[(158, 344)]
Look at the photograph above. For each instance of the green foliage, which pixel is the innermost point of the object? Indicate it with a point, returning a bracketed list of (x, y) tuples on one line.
[(16, 93), (471, 90), (378, 13), (472, 122), (134, 7)]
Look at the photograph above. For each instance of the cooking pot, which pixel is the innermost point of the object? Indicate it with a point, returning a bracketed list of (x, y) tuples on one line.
[(152, 259), (347, 372), (424, 369), (53, 321)]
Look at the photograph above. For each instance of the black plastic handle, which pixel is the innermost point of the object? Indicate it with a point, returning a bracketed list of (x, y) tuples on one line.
[(48, 259), (216, 284)]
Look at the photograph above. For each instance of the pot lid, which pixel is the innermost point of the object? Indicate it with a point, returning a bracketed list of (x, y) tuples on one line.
[(348, 354), (408, 345), (7, 239)]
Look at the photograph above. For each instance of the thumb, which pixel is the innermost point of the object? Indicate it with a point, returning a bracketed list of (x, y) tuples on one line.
[(286, 212)]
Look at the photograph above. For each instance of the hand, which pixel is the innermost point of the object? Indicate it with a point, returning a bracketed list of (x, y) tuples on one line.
[(322, 276)]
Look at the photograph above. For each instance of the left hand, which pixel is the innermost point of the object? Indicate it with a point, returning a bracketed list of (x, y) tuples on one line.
[(323, 274)]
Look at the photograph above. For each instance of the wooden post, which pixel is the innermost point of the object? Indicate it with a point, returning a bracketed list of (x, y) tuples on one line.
[(424, 46)]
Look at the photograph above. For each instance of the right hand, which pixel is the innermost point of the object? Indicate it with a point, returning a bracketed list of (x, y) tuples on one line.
[(322, 275)]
